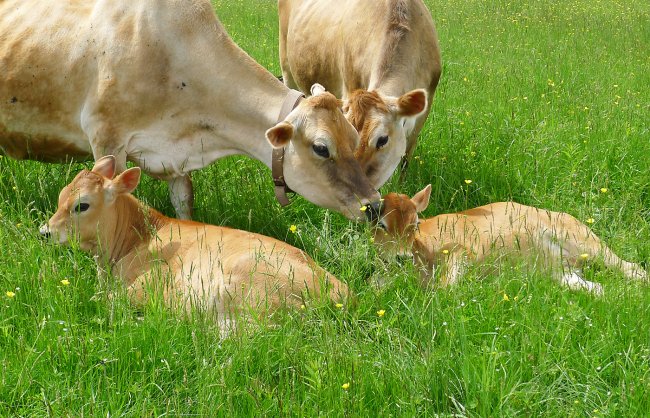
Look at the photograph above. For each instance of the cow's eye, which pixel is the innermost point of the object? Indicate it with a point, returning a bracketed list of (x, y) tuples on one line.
[(321, 150), (81, 207), (382, 141)]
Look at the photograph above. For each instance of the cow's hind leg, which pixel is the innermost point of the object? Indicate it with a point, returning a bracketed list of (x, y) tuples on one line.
[(182, 195)]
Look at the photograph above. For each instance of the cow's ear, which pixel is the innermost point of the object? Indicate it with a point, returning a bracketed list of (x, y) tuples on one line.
[(105, 166), (421, 199), (126, 182), (412, 103), (280, 135)]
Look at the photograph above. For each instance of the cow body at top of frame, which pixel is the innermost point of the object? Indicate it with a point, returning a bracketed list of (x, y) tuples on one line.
[(162, 85)]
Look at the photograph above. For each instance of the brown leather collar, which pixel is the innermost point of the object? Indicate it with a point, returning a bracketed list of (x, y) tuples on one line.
[(277, 161)]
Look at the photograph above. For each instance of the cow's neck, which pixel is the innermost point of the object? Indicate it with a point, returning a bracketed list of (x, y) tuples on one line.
[(254, 99)]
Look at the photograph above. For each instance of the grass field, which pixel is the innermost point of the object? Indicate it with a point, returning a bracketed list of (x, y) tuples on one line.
[(543, 102)]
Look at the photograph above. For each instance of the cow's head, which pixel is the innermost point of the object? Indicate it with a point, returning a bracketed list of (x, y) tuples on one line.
[(383, 123), (319, 161), (395, 230), (87, 206)]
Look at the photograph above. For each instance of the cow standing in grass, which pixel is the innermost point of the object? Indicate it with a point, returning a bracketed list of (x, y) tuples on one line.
[(446, 244), (161, 84), (191, 264), (381, 57)]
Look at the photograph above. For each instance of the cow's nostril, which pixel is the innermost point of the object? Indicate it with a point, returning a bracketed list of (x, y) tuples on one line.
[(373, 211), (44, 231)]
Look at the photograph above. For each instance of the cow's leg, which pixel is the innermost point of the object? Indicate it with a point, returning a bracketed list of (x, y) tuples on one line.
[(182, 195)]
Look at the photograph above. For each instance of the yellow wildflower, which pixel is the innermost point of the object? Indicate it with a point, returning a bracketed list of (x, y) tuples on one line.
[(10, 294), (445, 251), (345, 386), (603, 189), (293, 229), (468, 181), (339, 305), (590, 220), (65, 282), (363, 208), (506, 297), (381, 313), (584, 256), (303, 307)]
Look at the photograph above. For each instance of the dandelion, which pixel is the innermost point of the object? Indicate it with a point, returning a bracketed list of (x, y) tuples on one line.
[(363, 208), (584, 256), (18, 225), (603, 189), (339, 306), (303, 307), (445, 252), (345, 386), (590, 220), (10, 294), (506, 297), (468, 181), (65, 282), (381, 313), (293, 229)]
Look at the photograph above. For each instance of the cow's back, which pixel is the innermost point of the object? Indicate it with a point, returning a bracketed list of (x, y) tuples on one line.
[(387, 45)]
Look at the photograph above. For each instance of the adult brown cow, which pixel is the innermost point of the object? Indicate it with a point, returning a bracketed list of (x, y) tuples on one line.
[(161, 84), (387, 48)]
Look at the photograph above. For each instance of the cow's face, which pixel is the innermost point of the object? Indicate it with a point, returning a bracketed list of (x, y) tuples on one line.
[(396, 227), (86, 205), (319, 161), (383, 123)]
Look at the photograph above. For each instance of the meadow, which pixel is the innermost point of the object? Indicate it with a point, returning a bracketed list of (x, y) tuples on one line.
[(542, 102)]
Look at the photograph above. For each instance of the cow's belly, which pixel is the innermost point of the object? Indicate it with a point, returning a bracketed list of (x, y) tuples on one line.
[(48, 147)]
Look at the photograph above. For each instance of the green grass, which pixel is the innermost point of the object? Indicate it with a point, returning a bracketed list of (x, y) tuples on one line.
[(542, 102)]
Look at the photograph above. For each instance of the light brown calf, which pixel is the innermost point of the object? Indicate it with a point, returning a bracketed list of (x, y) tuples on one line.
[(381, 57), (219, 269), (450, 242)]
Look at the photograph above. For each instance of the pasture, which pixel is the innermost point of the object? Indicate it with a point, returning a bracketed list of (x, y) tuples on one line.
[(542, 102)]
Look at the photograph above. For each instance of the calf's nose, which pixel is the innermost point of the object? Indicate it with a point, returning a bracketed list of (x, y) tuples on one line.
[(374, 209)]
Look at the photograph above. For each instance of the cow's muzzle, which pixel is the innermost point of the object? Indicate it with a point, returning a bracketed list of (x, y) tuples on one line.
[(373, 211)]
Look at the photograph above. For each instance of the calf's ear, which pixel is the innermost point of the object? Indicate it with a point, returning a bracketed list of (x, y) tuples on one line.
[(105, 166), (126, 182), (280, 135), (421, 199), (412, 103)]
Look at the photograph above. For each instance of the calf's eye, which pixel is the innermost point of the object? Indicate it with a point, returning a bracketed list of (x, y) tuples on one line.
[(382, 141), (81, 207), (321, 150)]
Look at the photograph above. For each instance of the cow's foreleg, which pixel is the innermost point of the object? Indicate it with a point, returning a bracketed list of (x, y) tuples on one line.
[(182, 195)]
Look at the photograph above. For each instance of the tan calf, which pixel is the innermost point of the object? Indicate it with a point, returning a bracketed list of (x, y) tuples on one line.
[(161, 84), (450, 242), (219, 269), (381, 57)]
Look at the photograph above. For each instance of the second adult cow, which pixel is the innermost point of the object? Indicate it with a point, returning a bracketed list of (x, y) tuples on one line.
[(381, 57), (160, 83)]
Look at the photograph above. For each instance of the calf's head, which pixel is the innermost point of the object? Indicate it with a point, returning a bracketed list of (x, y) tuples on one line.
[(383, 123), (87, 206), (395, 230), (319, 161)]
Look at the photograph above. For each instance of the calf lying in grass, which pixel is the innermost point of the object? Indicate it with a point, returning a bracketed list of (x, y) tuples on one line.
[(450, 242), (190, 264)]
